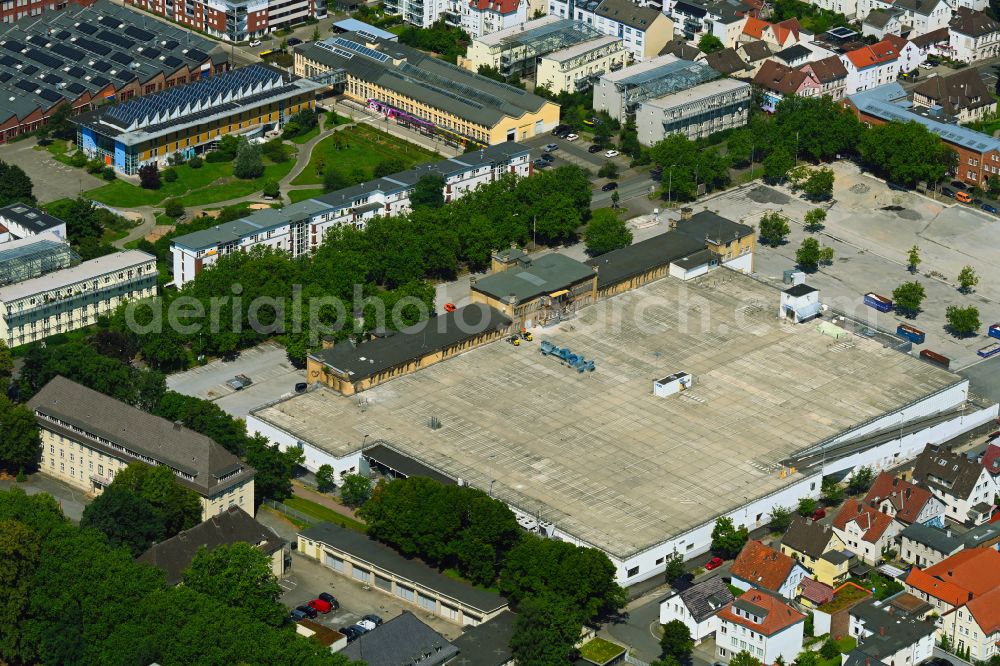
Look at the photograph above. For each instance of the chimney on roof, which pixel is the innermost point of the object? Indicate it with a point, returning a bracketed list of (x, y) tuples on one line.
[(881, 631)]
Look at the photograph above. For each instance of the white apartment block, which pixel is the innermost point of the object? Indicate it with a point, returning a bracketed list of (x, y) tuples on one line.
[(88, 437), (974, 36), (74, 297), (921, 16), (484, 17), (975, 626), (578, 67), (18, 221), (643, 30), (761, 624), (890, 636), (299, 228), (697, 112)]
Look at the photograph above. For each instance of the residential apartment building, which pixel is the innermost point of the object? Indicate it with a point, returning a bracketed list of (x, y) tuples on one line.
[(697, 607), (831, 74), (484, 17), (19, 221), (974, 36), (977, 626), (87, 437), (865, 531), (644, 31), (780, 35), (620, 93), (761, 624), (961, 483), (764, 568), (696, 112), (190, 119), (889, 635), (906, 502), (872, 66), (73, 296), (775, 81), (11, 11), (235, 20), (578, 67), (807, 541), (299, 228), (924, 546), (418, 90), (916, 17), (882, 22)]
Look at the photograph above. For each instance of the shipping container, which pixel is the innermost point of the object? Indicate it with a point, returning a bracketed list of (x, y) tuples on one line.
[(880, 303), (914, 335), (989, 350), (995, 331), (934, 357)]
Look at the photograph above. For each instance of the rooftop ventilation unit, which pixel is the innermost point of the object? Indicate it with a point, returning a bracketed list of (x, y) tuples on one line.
[(671, 384)]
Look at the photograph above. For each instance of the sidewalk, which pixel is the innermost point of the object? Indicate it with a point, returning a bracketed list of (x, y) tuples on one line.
[(360, 114)]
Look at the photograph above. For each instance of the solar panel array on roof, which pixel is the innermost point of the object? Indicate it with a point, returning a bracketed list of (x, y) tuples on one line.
[(93, 47), (26, 85), (75, 88), (5, 77), (111, 22), (50, 78), (125, 75), (100, 66), (172, 61), (50, 95), (29, 70), (150, 53), (116, 39), (14, 47), (196, 55), (360, 48), (8, 61), (139, 34), (68, 52), (63, 34), (122, 57), (169, 44), (86, 28), (44, 58), (37, 40), (100, 81)]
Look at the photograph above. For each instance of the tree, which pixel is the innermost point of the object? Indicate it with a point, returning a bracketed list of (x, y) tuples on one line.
[(727, 539), (906, 153), (355, 489), (15, 185), (807, 507), (829, 650), (676, 641), (173, 208), (20, 552), (428, 192), (710, 44), (674, 568), (6, 366), (248, 164), (833, 493), (20, 445), (967, 279), (781, 518), (389, 166), (545, 631), (149, 176), (826, 255), (773, 229), (962, 321), (179, 506), (819, 184), (807, 256), (608, 170), (913, 259), (270, 189), (60, 124), (606, 231), (777, 165), (125, 519), (334, 179), (744, 658), (908, 297), (814, 219), (170, 175), (240, 577), (324, 479), (807, 657), (816, 127), (860, 480)]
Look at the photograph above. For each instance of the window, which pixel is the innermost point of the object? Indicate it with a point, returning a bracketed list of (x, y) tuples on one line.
[(634, 571)]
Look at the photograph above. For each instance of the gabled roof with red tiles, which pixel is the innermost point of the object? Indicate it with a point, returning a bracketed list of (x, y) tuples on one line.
[(785, 28), (876, 54), (815, 591), (754, 27), (762, 566), (775, 615), (991, 458), (965, 575), (873, 523), (501, 6), (986, 610), (907, 499)]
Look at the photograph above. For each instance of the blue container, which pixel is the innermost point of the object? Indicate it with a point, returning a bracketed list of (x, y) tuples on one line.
[(880, 303), (990, 350), (995, 331), (914, 335)]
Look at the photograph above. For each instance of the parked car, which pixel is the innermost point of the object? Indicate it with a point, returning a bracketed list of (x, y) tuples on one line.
[(239, 382), (294, 41), (896, 186), (989, 208), (297, 615), (713, 563), (572, 137), (609, 186), (926, 65), (322, 606), (611, 153), (330, 599), (541, 164), (977, 201), (958, 185), (550, 147), (300, 387), (308, 610), (963, 197), (367, 624), (560, 129), (255, 43), (360, 627), (594, 148), (449, 307), (371, 617), (819, 513), (350, 633), (948, 192)]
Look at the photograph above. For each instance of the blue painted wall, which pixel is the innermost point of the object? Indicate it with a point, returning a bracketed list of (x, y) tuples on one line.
[(89, 142), (119, 156)]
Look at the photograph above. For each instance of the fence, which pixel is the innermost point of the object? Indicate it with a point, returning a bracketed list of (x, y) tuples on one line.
[(287, 510), (635, 661)]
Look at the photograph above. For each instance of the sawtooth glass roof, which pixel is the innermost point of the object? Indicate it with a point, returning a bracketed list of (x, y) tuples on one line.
[(34, 257), (553, 36), (664, 80)]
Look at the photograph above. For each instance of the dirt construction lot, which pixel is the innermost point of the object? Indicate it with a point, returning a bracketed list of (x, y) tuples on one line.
[(871, 244)]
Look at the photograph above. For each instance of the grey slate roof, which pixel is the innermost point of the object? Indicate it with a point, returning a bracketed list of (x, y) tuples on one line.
[(705, 599), (401, 641), (972, 23), (681, 49), (544, 275), (964, 90), (628, 13), (793, 53), (487, 644), (950, 473), (932, 537), (756, 50), (30, 218), (878, 18), (234, 525), (858, 658), (689, 237), (139, 432), (726, 61), (900, 630), (384, 557), (810, 539), (981, 535), (370, 358)]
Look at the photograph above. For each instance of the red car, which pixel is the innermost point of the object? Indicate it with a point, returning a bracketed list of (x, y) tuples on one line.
[(449, 307), (820, 513), (714, 563), (320, 605)]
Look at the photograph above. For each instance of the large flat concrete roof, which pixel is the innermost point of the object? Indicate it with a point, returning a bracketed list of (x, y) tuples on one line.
[(600, 456)]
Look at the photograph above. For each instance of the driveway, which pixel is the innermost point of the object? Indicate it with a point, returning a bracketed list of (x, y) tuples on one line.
[(52, 179)]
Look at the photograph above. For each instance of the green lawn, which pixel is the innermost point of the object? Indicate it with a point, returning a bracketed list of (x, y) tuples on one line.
[(365, 147), (212, 183), (302, 138), (301, 195), (59, 149), (322, 513), (600, 651)]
